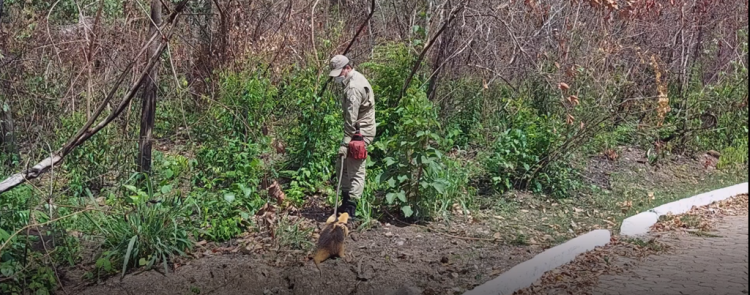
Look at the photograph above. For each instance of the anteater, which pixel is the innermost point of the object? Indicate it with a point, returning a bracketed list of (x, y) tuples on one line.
[(331, 241)]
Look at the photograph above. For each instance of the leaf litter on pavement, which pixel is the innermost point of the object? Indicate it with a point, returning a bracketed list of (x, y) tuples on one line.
[(703, 218), (581, 275)]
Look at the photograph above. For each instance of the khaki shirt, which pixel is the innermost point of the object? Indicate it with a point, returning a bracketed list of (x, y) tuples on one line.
[(358, 105)]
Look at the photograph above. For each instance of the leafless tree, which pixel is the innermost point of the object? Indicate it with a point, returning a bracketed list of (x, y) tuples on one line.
[(148, 97)]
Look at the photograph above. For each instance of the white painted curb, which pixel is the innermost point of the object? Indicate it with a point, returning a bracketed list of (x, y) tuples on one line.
[(640, 224), (528, 272)]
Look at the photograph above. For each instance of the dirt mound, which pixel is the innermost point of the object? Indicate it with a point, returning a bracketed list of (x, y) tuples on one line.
[(380, 261)]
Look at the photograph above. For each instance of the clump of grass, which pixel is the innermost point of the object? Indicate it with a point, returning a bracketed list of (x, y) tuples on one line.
[(733, 156), (150, 233), (292, 234)]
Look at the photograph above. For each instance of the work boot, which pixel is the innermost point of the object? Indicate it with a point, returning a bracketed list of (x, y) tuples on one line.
[(344, 199), (348, 205), (351, 208)]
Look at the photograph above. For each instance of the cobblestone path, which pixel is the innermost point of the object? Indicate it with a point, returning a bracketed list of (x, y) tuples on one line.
[(698, 265)]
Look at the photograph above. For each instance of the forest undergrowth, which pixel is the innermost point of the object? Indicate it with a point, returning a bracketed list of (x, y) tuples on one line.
[(244, 132)]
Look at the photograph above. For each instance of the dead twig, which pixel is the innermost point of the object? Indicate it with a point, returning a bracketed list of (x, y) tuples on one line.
[(312, 33), (49, 34)]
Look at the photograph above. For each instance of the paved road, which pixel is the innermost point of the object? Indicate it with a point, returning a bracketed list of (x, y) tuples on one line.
[(699, 265)]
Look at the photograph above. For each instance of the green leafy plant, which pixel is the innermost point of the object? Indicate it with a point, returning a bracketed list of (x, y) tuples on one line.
[(224, 214), (413, 165), (314, 134), (87, 164), (518, 155), (733, 156), (23, 266)]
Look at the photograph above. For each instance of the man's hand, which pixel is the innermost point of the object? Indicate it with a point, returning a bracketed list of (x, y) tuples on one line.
[(342, 150)]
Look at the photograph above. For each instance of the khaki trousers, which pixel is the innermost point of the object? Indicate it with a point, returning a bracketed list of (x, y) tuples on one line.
[(353, 180)]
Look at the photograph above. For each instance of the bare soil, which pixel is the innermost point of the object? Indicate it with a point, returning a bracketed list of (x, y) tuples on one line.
[(380, 261), (632, 161)]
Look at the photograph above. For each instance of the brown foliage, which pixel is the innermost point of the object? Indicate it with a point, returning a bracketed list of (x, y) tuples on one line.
[(603, 43)]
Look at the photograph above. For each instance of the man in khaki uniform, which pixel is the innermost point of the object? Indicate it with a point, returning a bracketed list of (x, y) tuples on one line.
[(358, 105)]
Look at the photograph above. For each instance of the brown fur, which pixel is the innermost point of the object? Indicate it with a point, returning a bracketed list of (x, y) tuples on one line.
[(331, 241)]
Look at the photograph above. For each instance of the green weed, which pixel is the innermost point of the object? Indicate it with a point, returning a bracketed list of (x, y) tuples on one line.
[(27, 261), (223, 215), (413, 170), (733, 156), (291, 235)]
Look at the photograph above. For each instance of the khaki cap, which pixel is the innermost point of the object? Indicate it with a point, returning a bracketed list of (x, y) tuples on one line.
[(338, 63)]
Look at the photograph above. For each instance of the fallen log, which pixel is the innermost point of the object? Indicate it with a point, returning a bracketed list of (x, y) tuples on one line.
[(87, 131)]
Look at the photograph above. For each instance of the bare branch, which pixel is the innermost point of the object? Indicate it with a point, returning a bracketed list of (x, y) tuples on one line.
[(361, 27), (414, 69)]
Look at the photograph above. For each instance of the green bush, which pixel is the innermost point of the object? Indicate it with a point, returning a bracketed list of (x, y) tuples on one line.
[(412, 170), (733, 156), (87, 165), (387, 71), (724, 100), (611, 137), (314, 131), (519, 159), (230, 138), (222, 215), (13, 216), (221, 165), (22, 268), (229, 175)]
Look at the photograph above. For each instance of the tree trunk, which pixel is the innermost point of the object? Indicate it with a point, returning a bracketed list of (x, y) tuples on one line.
[(445, 43), (7, 140), (148, 110), (223, 33)]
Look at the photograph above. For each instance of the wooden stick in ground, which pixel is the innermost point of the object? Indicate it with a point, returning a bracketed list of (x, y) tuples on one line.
[(85, 133), (148, 98)]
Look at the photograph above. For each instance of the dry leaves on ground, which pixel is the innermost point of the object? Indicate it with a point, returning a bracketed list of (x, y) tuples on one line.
[(703, 218), (582, 274), (276, 193), (611, 154)]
